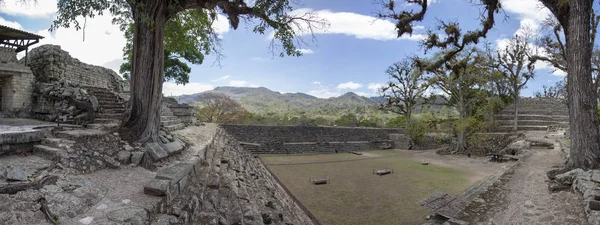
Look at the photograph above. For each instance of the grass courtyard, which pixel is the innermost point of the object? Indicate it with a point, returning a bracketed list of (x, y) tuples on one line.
[(355, 196)]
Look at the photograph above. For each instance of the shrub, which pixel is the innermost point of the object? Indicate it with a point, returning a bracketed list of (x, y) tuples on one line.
[(399, 121), (417, 131)]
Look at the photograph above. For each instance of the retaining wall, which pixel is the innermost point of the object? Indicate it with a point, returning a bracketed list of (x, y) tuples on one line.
[(301, 139)]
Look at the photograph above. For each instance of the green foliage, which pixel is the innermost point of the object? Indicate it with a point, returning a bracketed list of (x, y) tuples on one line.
[(598, 112), (399, 121), (407, 84), (188, 36), (417, 131), (347, 120)]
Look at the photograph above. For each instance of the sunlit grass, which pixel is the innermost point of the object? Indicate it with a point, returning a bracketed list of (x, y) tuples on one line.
[(356, 196)]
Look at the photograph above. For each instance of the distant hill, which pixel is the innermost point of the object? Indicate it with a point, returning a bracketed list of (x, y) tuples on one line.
[(263, 101)]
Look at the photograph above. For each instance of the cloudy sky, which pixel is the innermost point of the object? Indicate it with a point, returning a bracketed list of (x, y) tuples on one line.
[(351, 55)]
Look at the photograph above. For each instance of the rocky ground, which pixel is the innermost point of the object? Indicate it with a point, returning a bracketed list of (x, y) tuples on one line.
[(521, 196)]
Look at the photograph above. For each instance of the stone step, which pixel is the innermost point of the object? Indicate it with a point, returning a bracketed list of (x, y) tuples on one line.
[(48, 152), (114, 110), (165, 118), (112, 106), (106, 101), (534, 117), (509, 128), (169, 122), (110, 115), (58, 143), (107, 120), (104, 125), (505, 111), (174, 127), (530, 122)]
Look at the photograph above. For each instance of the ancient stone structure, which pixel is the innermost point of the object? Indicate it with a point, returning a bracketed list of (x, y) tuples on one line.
[(16, 82), (534, 114), (304, 139)]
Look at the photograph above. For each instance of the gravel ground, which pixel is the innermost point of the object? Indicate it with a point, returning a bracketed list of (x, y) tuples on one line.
[(522, 196)]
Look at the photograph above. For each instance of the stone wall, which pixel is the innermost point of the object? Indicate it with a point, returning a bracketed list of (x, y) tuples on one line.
[(302, 139), (227, 185), (51, 63), (16, 86), (184, 112), (7, 55)]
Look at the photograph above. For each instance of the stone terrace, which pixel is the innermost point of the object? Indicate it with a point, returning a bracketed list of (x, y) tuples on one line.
[(534, 114)]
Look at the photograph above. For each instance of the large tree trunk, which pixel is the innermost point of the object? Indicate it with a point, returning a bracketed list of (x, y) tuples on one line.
[(462, 115), (583, 122), (516, 122), (147, 69)]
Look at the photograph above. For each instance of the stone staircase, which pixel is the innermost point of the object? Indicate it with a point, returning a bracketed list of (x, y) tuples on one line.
[(169, 121), (533, 114), (111, 106)]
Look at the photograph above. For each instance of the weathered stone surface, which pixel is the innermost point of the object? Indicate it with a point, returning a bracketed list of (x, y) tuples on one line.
[(594, 205), (111, 163), (595, 176), (164, 219), (157, 187), (136, 157), (124, 157), (175, 173), (173, 147), (155, 151), (129, 215), (16, 173), (94, 102), (17, 135)]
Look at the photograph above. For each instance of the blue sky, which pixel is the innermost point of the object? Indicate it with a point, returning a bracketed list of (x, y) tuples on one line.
[(351, 55)]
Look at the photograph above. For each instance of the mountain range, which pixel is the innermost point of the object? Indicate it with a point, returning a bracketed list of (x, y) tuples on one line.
[(261, 100)]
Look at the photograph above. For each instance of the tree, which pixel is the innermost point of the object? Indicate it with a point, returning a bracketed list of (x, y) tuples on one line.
[(575, 17), (149, 18), (461, 80), (512, 62), (407, 85), (189, 36), (556, 91), (348, 120), (218, 108)]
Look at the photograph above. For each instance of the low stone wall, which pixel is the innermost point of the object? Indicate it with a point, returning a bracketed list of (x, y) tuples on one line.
[(50, 62), (301, 139), (226, 185)]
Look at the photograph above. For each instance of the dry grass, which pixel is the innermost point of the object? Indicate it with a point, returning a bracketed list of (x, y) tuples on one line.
[(356, 196)]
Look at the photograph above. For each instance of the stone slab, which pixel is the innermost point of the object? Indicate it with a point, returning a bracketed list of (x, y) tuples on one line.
[(157, 187), (175, 173), (124, 156), (156, 151), (136, 157), (19, 136), (16, 173), (173, 147)]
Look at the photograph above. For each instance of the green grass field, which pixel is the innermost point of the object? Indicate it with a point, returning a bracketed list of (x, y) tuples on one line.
[(355, 196)]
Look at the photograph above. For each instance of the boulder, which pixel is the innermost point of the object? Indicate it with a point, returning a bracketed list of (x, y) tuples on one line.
[(124, 156), (16, 173)]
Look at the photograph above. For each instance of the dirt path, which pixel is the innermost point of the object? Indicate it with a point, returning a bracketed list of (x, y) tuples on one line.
[(523, 197)]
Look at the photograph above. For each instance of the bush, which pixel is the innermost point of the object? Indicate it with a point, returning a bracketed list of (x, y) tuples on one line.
[(397, 122), (417, 131)]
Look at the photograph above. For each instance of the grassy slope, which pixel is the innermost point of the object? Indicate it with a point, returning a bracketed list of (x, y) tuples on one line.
[(356, 196)]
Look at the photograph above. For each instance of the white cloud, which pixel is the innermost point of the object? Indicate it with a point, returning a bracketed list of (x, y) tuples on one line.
[(559, 73), (241, 83), (40, 8), (349, 85), (365, 94), (172, 89), (306, 51), (324, 93), (221, 24), (10, 24), (355, 25), (531, 12), (375, 86), (221, 78), (316, 83)]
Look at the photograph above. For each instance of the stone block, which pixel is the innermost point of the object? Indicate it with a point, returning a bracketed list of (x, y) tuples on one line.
[(124, 157), (594, 205), (183, 183), (596, 176), (155, 151), (16, 173), (136, 158), (175, 173), (157, 187), (173, 147)]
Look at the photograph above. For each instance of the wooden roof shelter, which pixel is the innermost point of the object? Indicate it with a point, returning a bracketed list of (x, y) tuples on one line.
[(18, 39)]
